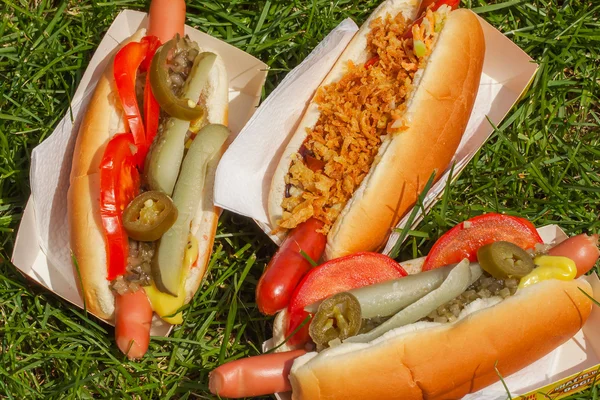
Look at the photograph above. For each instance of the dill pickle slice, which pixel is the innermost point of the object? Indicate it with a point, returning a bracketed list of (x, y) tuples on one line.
[(168, 259), (167, 152)]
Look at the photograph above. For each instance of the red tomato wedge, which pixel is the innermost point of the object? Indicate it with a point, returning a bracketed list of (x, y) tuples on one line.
[(336, 276), (467, 237), (119, 184)]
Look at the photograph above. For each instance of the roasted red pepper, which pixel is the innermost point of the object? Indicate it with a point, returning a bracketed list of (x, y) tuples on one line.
[(467, 237), (452, 3), (119, 184), (151, 107), (127, 62), (336, 276)]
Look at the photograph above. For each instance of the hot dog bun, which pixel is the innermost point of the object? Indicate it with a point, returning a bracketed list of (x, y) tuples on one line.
[(447, 361), (103, 119), (436, 116)]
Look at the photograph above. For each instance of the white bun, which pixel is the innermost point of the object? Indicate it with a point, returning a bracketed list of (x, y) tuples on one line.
[(104, 119), (437, 115), (447, 361)]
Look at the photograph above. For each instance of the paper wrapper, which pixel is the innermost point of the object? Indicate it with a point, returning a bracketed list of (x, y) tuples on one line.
[(42, 249), (578, 353), (245, 172)]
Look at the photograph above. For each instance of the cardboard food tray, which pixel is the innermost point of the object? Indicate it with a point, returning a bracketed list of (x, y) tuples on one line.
[(42, 250)]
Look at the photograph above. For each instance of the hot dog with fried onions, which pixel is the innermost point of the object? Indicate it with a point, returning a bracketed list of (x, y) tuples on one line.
[(391, 112)]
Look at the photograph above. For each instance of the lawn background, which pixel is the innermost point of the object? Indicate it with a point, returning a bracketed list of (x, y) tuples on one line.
[(543, 163)]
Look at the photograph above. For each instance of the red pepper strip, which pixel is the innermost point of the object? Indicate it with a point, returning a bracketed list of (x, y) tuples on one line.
[(452, 3), (467, 237), (126, 64), (151, 106), (371, 62), (119, 184), (153, 45), (336, 276)]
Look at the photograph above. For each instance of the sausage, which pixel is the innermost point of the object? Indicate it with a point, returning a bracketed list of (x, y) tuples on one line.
[(167, 18), (582, 249), (288, 266), (132, 325), (254, 376)]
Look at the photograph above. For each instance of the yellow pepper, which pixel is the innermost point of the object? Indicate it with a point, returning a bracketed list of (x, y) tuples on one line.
[(550, 267), (166, 305)]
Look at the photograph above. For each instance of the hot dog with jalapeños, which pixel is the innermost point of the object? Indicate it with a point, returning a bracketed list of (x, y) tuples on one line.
[(141, 218), (435, 334)]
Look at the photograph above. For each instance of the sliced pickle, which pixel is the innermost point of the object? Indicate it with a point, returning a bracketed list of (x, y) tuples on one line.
[(167, 152), (168, 259)]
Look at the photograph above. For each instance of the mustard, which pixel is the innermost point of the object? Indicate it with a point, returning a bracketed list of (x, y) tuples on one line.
[(166, 305), (550, 267)]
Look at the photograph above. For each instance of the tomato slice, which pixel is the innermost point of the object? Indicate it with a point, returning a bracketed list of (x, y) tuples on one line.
[(467, 237), (437, 4), (119, 184), (336, 276), (126, 64)]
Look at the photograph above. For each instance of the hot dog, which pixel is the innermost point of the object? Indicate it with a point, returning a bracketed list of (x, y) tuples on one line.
[(142, 220), (444, 360), (390, 113)]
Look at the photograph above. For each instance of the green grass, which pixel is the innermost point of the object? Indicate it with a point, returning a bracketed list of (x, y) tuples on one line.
[(543, 162)]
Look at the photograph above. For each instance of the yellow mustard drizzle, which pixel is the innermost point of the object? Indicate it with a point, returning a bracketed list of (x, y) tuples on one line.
[(550, 267), (166, 305)]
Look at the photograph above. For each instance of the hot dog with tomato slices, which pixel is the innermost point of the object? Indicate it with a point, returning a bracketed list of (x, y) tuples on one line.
[(391, 112), (420, 343), (141, 216)]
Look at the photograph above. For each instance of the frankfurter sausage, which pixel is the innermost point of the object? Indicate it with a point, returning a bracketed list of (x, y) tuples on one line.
[(582, 249), (289, 265), (254, 376), (166, 19), (132, 323)]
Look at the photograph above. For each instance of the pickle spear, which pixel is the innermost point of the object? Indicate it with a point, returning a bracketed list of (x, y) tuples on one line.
[(168, 259), (166, 154)]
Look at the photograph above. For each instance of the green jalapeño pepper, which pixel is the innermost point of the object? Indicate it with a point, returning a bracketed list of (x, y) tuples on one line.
[(505, 260), (149, 216), (338, 317), (181, 108)]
